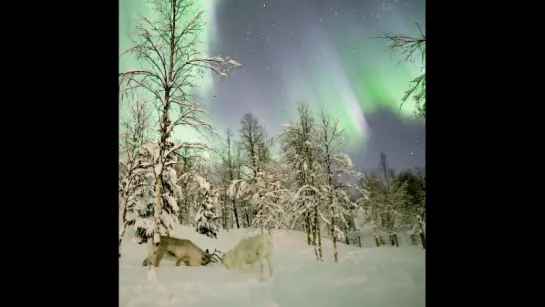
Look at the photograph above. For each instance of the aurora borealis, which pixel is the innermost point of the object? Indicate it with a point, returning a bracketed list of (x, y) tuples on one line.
[(321, 51)]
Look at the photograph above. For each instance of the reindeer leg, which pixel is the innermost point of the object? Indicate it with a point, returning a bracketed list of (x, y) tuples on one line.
[(178, 262), (270, 265), (262, 268), (160, 254)]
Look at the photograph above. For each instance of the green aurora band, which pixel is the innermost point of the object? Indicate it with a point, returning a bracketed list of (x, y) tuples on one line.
[(129, 15), (364, 79)]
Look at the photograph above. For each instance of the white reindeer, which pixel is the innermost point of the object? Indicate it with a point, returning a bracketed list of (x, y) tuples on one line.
[(248, 251)]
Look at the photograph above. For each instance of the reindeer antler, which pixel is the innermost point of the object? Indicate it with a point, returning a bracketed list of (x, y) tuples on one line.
[(214, 256)]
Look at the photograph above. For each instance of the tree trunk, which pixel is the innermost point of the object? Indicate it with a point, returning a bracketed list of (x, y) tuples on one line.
[(319, 235), (422, 236), (247, 218), (377, 240), (345, 228), (352, 219), (181, 214), (236, 213), (123, 227), (157, 218), (224, 213), (316, 236), (121, 233), (186, 210), (314, 243), (308, 228), (152, 251), (413, 240), (335, 254)]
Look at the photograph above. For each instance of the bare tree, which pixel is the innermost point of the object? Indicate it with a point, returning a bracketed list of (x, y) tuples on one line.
[(409, 47), (228, 168), (252, 139), (255, 153), (169, 52)]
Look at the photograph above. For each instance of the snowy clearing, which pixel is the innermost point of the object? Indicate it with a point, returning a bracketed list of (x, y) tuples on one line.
[(370, 277)]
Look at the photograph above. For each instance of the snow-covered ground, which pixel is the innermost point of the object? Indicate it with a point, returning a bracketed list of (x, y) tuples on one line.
[(370, 277)]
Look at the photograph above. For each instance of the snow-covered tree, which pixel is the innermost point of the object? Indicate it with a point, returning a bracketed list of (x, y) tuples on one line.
[(299, 149), (192, 169), (134, 134), (388, 202), (416, 190), (170, 192), (335, 164), (269, 199), (168, 49), (266, 194), (218, 180), (254, 146), (206, 215), (227, 157)]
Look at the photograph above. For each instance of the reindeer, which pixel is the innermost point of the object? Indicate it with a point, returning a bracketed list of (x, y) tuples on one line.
[(249, 251), (182, 250)]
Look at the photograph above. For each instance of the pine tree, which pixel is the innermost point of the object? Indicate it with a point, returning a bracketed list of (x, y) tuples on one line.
[(206, 216), (144, 224)]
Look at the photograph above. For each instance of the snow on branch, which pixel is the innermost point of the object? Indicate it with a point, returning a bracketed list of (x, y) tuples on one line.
[(189, 145), (237, 189), (217, 64), (134, 79), (194, 177), (408, 47)]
